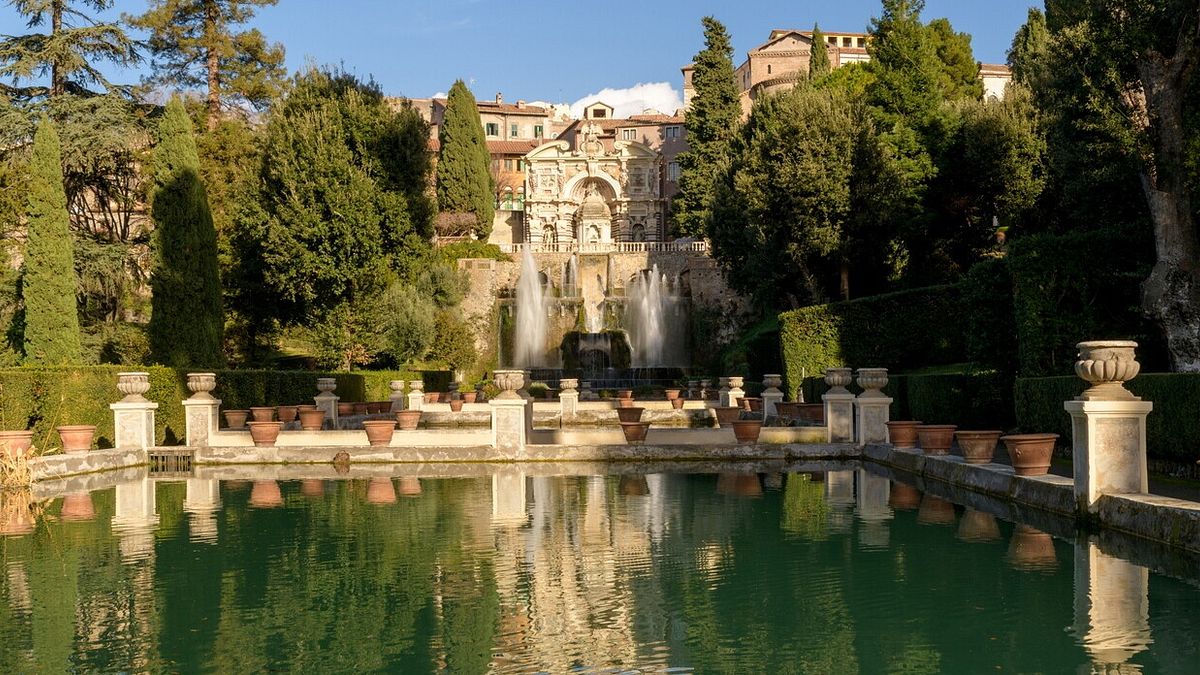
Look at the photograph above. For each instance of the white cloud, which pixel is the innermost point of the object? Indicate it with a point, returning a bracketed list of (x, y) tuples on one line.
[(440, 94), (633, 100)]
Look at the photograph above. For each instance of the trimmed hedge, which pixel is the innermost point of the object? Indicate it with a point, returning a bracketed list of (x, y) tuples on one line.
[(44, 398), (1172, 429)]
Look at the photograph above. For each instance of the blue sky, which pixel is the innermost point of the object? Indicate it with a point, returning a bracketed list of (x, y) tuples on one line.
[(560, 51)]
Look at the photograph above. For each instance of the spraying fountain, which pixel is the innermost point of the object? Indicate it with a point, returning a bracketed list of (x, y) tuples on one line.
[(529, 339)]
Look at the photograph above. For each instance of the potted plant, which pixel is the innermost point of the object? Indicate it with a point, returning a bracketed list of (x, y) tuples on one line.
[(16, 443), (407, 420), (262, 413), (287, 413), (537, 390), (76, 437), (312, 419), (379, 432), (677, 402), (630, 414), (345, 409), (746, 431), (812, 412), (362, 408), (787, 410), (903, 433), (936, 439), (469, 396), (1030, 453), (236, 419), (624, 403), (978, 447), (726, 415), (456, 405), (671, 394), (264, 434)]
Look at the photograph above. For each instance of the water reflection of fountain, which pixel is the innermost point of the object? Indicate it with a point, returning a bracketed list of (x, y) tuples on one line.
[(529, 347)]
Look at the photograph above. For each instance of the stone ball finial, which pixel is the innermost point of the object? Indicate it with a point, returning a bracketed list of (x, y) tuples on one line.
[(1107, 365), (201, 385), (134, 386)]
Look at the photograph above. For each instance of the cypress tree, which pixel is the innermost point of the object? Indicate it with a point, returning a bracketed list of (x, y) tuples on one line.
[(711, 124), (464, 181), (51, 322), (186, 322), (818, 61)]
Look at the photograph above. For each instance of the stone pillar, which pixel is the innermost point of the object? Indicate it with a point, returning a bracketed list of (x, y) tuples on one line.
[(133, 416), (201, 502), (397, 395), (872, 409), (568, 399), (416, 394), (202, 412), (508, 412), (839, 406), (327, 400), (1108, 425), (723, 391), (771, 394), (1112, 608), (735, 391)]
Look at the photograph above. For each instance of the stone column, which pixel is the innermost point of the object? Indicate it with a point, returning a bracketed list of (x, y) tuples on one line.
[(872, 408), (201, 502), (771, 394), (416, 394), (327, 400), (508, 412), (735, 391), (202, 412), (133, 416), (1108, 425), (568, 399), (397, 395), (1112, 608), (839, 406)]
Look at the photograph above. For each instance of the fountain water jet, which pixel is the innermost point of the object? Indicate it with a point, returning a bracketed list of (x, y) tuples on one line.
[(651, 318), (529, 339)]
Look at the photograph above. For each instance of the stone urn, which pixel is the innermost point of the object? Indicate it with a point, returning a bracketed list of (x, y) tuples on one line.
[(1107, 365), (379, 432), (287, 413), (326, 385), (635, 432), (838, 379), (236, 419), (312, 419), (568, 385), (630, 414), (77, 507), (672, 394), (1030, 453), (416, 385), (1031, 549), (264, 434), (456, 405), (677, 403), (872, 380), (76, 437), (469, 396), (410, 486), (509, 382), (978, 447), (134, 386), (262, 413), (201, 385), (978, 526), (904, 497), (726, 415), (407, 420), (936, 439), (746, 431), (16, 443), (903, 433), (772, 381), (265, 494), (935, 511), (381, 492)]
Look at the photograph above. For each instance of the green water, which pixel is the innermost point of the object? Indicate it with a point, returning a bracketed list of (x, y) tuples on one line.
[(838, 572)]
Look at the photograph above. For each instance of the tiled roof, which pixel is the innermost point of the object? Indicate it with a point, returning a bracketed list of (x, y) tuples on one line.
[(511, 108), (498, 147), (656, 119)]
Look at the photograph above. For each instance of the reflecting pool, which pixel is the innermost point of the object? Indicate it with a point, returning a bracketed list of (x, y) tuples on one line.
[(840, 570)]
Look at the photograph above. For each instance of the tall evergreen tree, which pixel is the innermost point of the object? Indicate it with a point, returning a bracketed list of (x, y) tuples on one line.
[(67, 53), (960, 71), (51, 322), (186, 323), (1029, 56), (818, 60), (196, 43), (905, 64), (711, 123), (464, 181)]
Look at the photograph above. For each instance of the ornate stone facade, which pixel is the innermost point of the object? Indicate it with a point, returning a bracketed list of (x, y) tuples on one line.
[(594, 190)]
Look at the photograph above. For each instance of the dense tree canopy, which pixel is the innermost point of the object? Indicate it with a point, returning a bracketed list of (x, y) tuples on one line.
[(464, 181)]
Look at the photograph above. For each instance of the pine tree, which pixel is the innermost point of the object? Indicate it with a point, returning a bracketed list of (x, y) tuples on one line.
[(818, 61), (51, 322), (905, 64), (464, 182), (186, 322), (195, 44), (711, 123)]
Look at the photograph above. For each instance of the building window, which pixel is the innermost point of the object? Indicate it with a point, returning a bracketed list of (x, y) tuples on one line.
[(599, 113), (520, 165), (492, 129), (862, 42), (671, 132), (768, 69), (833, 41), (673, 172), (846, 42), (508, 165), (629, 134), (537, 131), (514, 131)]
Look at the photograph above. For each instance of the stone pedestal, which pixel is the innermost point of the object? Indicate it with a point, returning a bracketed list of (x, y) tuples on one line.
[(568, 399), (201, 412), (735, 391), (839, 406), (133, 424), (723, 391), (509, 411), (872, 410), (771, 394), (1112, 608), (327, 400), (397, 395), (416, 394)]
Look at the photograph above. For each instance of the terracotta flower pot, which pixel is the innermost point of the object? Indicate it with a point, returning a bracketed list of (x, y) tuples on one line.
[(380, 491), (903, 433), (904, 497), (1031, 549), (456, 405), (262, 413), (635, 432), (624, 403), (312, 487), (672, 394), (345, 409), (312, 420), (746, 431), (677, 403), (1030, 453), (978, 526), (407, 420), (410, 486), (379, 432), (812, 412), (936, 439), (630, 414), (76, 437), (264, 434), (469, 396), (978, 447), (361, 408), (743, 403), (306, 406), (287, 413), (755, 403), (236, 419), (266, 493), (77, 507), (935, 511), (625, 393), (16, 443), (787, 410), (727, 415)]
